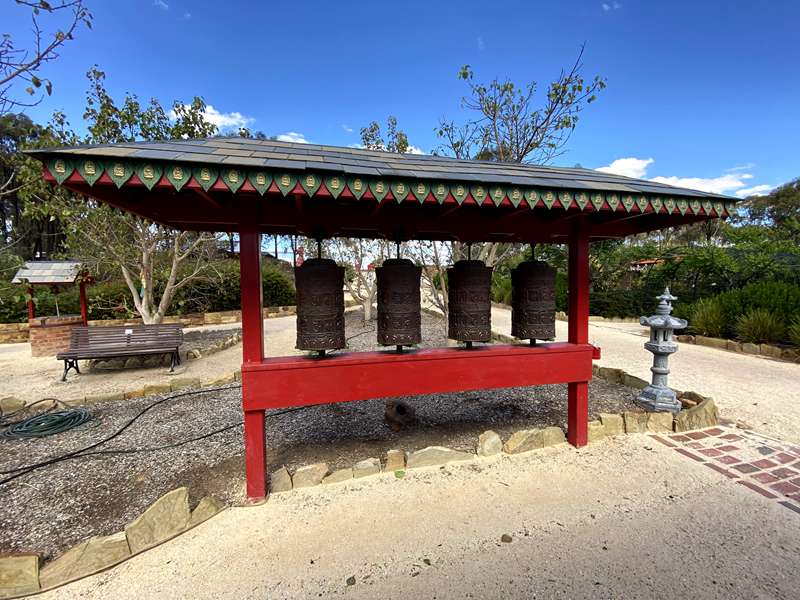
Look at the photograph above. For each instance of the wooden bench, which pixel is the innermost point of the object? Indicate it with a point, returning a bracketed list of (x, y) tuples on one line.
[(119, 342)]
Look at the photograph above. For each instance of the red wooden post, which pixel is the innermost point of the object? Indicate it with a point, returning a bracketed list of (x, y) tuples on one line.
[(84, 309), (578, 326), (252, 353), (31, 305)]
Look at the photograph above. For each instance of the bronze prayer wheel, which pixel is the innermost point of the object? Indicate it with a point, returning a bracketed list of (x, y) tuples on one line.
[(469, 302), (320, 305), (399, 319), (533, 301)]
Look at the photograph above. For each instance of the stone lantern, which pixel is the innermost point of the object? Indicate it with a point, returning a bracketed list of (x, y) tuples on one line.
[(658, 397)]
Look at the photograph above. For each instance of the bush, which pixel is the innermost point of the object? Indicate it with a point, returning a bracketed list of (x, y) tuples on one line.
[(501, 288), (793, 332), (707, 317), (759, 326)]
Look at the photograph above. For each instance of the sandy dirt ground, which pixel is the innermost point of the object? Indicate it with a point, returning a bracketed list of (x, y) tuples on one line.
[(623, 518), (36, 378)]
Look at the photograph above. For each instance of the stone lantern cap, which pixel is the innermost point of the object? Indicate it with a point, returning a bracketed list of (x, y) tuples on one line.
[(663, 319)]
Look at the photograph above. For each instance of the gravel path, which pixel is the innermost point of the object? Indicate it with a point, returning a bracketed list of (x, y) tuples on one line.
[(622, 518), (55, 507)]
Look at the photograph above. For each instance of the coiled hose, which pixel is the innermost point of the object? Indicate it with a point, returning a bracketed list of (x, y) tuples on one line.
[(49, 423)]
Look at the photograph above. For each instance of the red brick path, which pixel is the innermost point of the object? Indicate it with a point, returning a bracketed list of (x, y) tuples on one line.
[(766, 466)]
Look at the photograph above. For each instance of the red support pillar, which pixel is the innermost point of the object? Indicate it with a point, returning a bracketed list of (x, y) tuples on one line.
[(252, 353), (84, 309), (578, 326), (31, 305)]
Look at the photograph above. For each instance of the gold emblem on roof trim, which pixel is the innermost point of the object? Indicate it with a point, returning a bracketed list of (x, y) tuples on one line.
[(420, 188), (401, 188), (60, 167), (89, 167), (118, 170), (177, 173), (261, 179), (233, 176), (205, 174), (379, 187), (147, 172), (285, 181), (357, 185), (311, 181), (335, 183)]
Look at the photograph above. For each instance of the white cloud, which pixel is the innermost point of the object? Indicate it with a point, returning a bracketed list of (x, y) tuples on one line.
[(220, 119), (733, 181), (187, 16), (161, 4), (756, 190), (347, 128), (612, 6), (415, 150), (293, 136), (723, 184), (481, 44), (629, 167)]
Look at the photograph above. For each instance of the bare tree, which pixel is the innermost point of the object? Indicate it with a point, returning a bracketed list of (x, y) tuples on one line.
[(360, 257), (23, 63)]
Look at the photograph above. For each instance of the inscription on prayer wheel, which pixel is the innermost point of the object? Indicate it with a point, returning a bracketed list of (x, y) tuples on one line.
[(320, 305), (469, 317), (399, 320), (533, 301)]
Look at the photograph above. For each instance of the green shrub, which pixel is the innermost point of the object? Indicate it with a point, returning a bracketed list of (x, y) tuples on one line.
[(759, 326), (707, 318), (501, 288), (793, 331)]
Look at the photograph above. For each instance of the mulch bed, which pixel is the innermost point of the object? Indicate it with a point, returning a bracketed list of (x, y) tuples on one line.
[(53, 508)]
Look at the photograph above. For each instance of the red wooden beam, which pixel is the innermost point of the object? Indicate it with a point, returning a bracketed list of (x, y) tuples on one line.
[(82, 296), (578, 328), (302, 381)]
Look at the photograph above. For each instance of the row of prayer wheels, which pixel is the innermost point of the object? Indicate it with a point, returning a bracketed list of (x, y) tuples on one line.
[(320, 303)]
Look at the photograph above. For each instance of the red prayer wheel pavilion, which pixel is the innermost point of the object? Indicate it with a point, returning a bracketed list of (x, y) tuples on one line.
[(265, 186)]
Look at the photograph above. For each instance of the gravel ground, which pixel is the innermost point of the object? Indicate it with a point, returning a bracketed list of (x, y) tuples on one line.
[(55, 507)]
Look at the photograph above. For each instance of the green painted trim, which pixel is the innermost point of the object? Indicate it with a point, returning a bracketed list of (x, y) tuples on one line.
[(400, 190), (261, 180), (358, 187), (479, 193), (565, 199), (460, 192), (178, 175), (285, 182), (379, 189), (335, 185), (498, 194), (440, 191), (90, 169), (149, 174), (205, 176), (420, 189), (310, 183), (119, 172), (532, 198)]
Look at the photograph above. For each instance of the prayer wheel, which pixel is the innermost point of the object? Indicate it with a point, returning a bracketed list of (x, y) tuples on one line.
[(470, 308), (533, 301), (320, 305), (399, 320)]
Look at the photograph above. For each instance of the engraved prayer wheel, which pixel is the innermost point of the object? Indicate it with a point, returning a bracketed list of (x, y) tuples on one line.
[(399, 320), (533, 301), (320, 305), (470, 309)]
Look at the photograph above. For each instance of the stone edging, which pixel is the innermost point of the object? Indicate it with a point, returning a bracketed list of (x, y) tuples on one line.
[(18, 332), (767, 350), (166, 518), (169, 516)]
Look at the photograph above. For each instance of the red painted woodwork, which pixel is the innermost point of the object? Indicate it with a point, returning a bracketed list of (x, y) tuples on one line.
[(251, 296), (82, 296), (578, 329), (255, 455), (31, 305), (301, 381)]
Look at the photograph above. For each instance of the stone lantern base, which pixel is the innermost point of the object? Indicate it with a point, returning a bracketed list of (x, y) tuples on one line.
[(658, 399)]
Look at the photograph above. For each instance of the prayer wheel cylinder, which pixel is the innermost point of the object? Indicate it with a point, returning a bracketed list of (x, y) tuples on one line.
[(470, 308), (533, 301), (399, 320), (320, 305)]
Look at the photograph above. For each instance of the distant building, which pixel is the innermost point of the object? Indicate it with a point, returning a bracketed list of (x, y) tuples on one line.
[(639, 266)]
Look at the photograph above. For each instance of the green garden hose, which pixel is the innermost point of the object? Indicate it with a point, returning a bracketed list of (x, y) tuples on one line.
[(49, 423)]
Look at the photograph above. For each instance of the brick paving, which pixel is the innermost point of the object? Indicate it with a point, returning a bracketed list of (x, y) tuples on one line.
[(764, 465)]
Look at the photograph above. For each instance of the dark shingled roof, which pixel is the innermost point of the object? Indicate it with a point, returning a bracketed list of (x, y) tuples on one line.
[(242, 152), (48, 272)]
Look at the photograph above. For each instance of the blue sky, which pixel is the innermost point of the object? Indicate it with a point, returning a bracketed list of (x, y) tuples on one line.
[(700, 93)]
